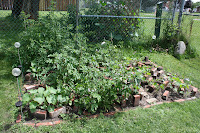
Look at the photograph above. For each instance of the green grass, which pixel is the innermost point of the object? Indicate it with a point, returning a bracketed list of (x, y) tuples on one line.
[(8, 94), (166, 118), (169, 118)]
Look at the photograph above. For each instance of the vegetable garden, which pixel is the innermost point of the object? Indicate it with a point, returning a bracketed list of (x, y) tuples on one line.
[(72, 74)]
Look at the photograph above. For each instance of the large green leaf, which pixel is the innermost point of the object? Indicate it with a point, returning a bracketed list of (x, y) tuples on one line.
[(33, 91), (52, 90), (61, 99), (51, 99), (50, 108), (41, 90), (33, 106), (94, 107), (97, 96), (40, 100), (26, 98), (46, 93)]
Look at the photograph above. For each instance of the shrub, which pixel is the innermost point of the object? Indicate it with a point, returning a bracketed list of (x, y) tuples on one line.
[(92, 77), (98, 28), (43, 37)]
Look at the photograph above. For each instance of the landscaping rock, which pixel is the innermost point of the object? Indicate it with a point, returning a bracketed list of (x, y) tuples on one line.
[(151, 101), (30, 87), (19, 118), (123, 103), (141, 90), (154, 74), (165, 95), (28, 78), (150, 78), (44, 124), (181, 47), (160, 68), (166, 83), (140, 64), (151, 88), (29, 124), (144, 94), (160, 73), (148, 63), (57, 112), (40, 114), (146, 59), (194, 90), (136, 100)]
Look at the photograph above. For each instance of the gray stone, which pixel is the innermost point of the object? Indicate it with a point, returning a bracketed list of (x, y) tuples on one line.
[(152, 100), (57, 112), (181, 47), (144, 94)]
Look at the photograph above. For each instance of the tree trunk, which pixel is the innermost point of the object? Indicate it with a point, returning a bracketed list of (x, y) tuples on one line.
[(34, 9), (17, 8)]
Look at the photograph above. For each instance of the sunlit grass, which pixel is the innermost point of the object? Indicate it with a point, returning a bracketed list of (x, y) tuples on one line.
[(167, 118)]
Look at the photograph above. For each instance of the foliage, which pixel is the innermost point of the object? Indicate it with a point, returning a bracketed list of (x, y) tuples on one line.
[(44, 37), (91, 77), (98, 28), (94, 77), (46, 99), (171, 36), (195, 5)]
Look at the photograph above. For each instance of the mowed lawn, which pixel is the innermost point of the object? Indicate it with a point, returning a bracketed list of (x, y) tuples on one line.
[(166, 118)]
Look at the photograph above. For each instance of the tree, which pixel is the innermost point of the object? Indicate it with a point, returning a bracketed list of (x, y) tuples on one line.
[(188, 4), (30, 7), (150, 3), (194, 5)]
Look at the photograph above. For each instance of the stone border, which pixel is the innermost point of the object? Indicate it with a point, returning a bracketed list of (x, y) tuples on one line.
[(53, 122), (178, 101), (50, 122)]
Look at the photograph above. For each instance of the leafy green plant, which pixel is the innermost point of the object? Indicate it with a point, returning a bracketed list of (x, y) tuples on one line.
[(43, 37), (97, 29), (45, 98), (171, 36)]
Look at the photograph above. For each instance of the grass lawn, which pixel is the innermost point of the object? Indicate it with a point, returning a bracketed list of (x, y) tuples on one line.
[(169, 118)]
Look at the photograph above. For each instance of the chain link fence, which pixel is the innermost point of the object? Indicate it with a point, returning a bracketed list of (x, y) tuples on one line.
[(116, 20), (121, 20)]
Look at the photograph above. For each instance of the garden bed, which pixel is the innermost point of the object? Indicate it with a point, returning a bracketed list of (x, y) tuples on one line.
[(156, 86)]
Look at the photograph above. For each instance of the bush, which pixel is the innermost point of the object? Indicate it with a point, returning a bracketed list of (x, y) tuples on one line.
[(98, 28), (93, 77), (171, 36), (43, 37)]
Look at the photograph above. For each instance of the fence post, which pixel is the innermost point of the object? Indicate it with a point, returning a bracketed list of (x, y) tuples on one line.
[(174, 10), (158, 21), (77, 14), (180, 13), (140, 6)]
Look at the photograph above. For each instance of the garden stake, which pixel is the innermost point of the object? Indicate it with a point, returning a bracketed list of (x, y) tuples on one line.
[(17, 45), (16, 72)]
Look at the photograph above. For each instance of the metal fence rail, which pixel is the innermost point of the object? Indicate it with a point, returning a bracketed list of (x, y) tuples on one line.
[(120, 19)]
